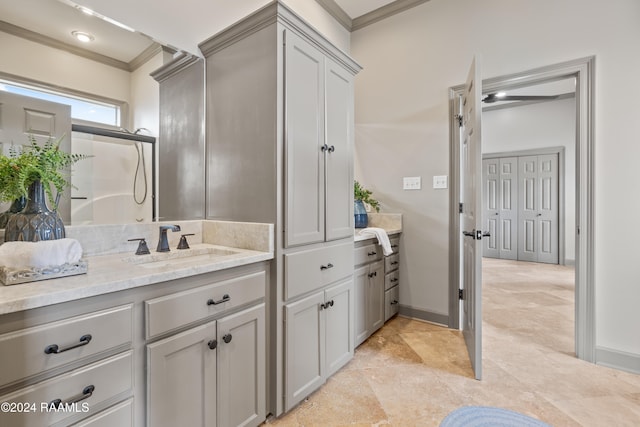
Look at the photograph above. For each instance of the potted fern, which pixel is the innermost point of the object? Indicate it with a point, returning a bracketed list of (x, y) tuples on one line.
[(362, 196), (33, 174)]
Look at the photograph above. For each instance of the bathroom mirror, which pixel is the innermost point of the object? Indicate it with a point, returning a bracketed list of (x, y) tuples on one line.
[(116, 185)]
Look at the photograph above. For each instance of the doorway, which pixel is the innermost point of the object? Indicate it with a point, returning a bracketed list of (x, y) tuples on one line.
[(582, 70)]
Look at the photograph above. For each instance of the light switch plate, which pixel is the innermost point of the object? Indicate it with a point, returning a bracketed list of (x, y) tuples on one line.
[(440, 181), (411, 183)]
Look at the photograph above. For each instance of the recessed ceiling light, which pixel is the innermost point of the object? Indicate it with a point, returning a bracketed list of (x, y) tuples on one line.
[(501, 94), (82, 36)]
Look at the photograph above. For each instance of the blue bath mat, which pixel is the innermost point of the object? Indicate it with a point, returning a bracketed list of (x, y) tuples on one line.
[(485, 416)]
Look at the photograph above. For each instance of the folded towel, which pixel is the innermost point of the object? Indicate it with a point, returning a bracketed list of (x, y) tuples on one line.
[(383, 238), (46, 253)]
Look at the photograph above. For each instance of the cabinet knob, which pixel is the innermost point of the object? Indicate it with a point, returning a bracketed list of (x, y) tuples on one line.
[(372, 253), (212, 344), (227, 338), (331, 149), (331, 303), (55, 349), (374, 274)]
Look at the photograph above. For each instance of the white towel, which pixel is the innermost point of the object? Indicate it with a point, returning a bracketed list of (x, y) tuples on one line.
[(46, 253), (383, 238)]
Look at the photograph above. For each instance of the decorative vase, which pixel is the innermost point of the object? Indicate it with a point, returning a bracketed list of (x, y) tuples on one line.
[(16, 206), (360, 214), (36, 221)]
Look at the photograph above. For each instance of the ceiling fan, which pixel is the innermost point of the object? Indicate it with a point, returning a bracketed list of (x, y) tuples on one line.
[(500, 96)]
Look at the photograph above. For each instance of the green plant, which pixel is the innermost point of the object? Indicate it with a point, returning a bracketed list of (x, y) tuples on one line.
[(361, 193), (45, 163)]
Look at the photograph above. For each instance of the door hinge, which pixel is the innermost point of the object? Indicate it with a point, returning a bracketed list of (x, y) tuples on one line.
[(460, 207), (461, 294), (459, 117)]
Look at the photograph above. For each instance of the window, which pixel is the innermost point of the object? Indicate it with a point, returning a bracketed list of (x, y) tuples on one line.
[(82, 108)]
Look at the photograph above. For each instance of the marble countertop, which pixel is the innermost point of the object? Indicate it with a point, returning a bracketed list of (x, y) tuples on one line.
[(390, 222), (217, 245), (117, 272)]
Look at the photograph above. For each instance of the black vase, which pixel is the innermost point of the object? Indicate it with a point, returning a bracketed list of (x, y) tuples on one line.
[(16, 206), (35, 222)]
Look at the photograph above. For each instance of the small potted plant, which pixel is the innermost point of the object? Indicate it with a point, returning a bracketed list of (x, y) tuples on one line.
[(32, 173), (362, 196)]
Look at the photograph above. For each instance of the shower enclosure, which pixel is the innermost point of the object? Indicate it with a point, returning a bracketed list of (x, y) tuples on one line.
[(117, 184)]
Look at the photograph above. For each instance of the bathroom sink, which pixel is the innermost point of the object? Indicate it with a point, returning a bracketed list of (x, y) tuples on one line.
[(179, 258)]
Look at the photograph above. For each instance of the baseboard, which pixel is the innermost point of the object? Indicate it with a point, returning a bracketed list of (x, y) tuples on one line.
[(618, 360), (570, 262), (428, 316)]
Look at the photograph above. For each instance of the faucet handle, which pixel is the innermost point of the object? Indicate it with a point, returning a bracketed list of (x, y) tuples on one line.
[(143, 249), (183, 244)]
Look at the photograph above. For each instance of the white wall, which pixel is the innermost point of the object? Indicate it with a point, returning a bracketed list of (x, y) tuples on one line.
[(546, 124), (409, 62)]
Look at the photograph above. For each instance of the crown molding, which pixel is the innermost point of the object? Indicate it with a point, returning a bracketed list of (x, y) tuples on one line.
[(181, 61), (384, 12), (337, 12), (154, 49)]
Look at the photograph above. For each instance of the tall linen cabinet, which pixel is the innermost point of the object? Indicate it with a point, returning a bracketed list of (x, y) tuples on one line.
[(279, 149)]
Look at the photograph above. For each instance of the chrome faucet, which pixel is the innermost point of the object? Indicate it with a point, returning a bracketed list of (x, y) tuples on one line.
[(163, 243)]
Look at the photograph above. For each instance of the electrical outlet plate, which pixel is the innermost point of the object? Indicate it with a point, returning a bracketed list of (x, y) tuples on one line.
[(411, 183)]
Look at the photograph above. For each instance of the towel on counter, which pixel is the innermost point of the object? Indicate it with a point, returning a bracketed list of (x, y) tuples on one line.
[(46, 253), (383, 238)]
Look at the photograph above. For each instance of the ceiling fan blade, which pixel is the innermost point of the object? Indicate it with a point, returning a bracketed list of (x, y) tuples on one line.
[(490, 98)]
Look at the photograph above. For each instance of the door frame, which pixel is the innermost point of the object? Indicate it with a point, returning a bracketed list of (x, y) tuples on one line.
[(583, 69), (560, 152)]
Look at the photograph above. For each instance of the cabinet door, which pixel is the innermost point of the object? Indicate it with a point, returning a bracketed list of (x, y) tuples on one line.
[(376, 295), (304, 348), (338, 316), (361, 304), (181, 379), (241, 368), (339, 155), (304, 142)]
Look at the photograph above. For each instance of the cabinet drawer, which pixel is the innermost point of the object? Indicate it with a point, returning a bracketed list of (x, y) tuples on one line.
[(391, 263), (23, 351), (391, 302), (391, 279), (366, 254), (90, 387), (395, 244), (182, 308), (120, 415), (314, 268)]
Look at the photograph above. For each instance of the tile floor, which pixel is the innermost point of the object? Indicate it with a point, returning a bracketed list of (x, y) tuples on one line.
[(412, 373)]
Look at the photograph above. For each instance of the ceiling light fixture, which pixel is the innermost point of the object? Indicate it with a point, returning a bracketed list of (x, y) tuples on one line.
[(501, 94), (82, 36)]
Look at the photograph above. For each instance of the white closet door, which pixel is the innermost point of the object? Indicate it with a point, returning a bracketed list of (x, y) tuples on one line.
[(508, 208), (490, 207), (538, 209)]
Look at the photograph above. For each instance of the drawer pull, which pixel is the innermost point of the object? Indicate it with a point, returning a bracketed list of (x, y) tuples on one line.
[(55, 349), (394, 302), (394, 246), (393, 280), (326, 267), (227, 338), (395, 262), (212, 344), (86, 393), (225, 298), (372, 253), (374, 274)]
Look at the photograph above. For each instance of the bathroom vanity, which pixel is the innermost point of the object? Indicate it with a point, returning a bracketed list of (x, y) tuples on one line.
[(142, 340)]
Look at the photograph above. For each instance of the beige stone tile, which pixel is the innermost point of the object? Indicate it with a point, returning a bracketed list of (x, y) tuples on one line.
[(602, 411)]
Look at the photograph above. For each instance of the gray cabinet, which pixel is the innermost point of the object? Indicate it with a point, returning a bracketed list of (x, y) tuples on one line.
[(279, 149), (392, 281), (369, 291), (181, 379), (212, 374), (318, 129), (319, 339)]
